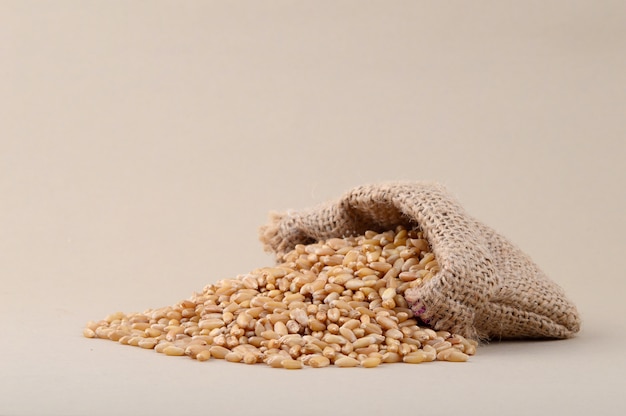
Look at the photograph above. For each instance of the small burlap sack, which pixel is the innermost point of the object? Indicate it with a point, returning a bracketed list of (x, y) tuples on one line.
[(486, 289)]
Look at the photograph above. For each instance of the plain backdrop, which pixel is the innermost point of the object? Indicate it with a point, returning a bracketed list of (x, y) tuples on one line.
[(142, 144)]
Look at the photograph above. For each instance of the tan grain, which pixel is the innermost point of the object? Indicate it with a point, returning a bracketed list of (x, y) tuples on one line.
[(332, 302)]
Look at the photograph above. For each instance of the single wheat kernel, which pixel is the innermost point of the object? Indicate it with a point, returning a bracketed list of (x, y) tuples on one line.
[(193, 350), (233, 357), (318, 361), (371, 362), (173, 350), (203, 355), (416, 357), (391, 357), (275, 360), (291, 364), (346, 362), (125, 340), (148, 343), (218, 351), (452, 354)]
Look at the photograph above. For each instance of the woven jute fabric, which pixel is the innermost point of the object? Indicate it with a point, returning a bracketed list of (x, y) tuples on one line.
[(487, 288)]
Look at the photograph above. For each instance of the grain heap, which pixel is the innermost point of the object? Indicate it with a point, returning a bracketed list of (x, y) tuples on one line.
[(338, 301)]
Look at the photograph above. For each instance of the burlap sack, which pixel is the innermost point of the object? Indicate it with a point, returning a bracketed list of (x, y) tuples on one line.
[(486, 288)]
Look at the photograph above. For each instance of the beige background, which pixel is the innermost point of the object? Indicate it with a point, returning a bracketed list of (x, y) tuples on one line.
[(142, 143)]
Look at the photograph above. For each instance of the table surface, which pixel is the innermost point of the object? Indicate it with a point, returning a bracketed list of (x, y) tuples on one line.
[(49, 368), (141, 146)]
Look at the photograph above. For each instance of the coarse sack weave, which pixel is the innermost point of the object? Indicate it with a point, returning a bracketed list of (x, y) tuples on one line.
[(486, 287)]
